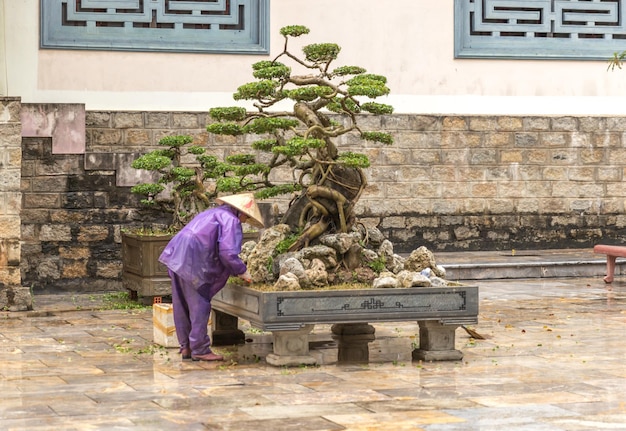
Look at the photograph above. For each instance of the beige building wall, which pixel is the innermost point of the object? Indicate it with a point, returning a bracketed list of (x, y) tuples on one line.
[(3, 62), (409, 41)]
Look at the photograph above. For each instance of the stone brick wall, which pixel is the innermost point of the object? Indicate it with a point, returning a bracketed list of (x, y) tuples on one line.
[(488, 182), (448, 182), (73, 212), (13, 296)]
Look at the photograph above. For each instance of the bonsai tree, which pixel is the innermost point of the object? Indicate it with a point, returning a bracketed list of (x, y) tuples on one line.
[(181, 190), (327, 182)]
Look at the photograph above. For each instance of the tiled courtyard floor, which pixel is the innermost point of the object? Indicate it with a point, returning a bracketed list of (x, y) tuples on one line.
[(554, 359)]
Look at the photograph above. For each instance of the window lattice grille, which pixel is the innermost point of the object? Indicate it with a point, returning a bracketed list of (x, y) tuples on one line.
[(232, 26), (556, 29)]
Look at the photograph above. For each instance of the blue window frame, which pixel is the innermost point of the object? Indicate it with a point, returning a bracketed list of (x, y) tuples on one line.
[(204, 26), (539, 29)]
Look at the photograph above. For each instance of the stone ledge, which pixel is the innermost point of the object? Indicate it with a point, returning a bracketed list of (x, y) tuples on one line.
[(15, 298)]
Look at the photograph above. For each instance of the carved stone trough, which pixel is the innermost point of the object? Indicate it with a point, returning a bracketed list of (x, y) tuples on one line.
[(291, 316)]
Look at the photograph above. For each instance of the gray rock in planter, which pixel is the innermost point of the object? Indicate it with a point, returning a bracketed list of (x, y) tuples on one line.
[(420, 258), (340, 242), (439, 271), (375, 236), (371, 236), (412, 279), (257, 260), (395, 263), (420, 280), (324, 253), (386, 249), (293, 265), (369, 255), (246, 250), (316, 275), (385, 283), (287, 282), (438, 282), (353, 258), (405, 278), (279, 260)]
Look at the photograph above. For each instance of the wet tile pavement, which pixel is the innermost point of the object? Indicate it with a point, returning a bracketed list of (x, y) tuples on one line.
[(553, 359)]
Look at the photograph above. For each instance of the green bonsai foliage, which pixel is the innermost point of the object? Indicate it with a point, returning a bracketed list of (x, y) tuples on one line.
[(284, 245), (184, 191), (378, 265), (327, 182)]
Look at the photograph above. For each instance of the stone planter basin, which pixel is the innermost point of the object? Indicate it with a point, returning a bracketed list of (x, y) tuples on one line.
[(142, 273), (291, 316)]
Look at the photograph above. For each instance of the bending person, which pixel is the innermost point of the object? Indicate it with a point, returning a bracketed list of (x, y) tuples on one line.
[(200, 259)]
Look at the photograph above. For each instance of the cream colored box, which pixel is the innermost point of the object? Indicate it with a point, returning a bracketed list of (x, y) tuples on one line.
[(163, 323)]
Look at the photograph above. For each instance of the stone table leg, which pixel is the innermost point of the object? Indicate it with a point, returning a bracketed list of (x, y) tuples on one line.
[(352, 340), (437, 342), (225, 329), (291, 348)]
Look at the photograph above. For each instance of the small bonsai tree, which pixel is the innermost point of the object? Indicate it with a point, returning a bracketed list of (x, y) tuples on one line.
[(327, 182), (183, 191)]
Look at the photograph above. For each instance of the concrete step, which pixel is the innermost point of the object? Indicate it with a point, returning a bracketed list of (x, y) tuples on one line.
[(481, 265)]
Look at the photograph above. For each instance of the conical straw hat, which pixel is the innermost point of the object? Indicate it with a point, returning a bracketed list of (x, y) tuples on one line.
[(245, 203)]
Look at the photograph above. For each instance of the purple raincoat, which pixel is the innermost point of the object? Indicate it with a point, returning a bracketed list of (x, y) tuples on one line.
[(206, 251)]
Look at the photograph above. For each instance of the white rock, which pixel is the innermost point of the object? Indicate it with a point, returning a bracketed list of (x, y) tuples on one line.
[(287, 282), (385, 282)]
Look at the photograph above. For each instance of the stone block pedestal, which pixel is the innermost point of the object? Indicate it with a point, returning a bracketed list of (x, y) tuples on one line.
[(13, 296), (164, 331), (353, 341), (437, 342), (291, 348), (225, 331)]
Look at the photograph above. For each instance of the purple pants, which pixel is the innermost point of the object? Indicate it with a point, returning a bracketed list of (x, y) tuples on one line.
[(191, 316)]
